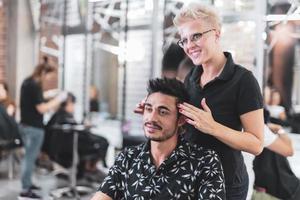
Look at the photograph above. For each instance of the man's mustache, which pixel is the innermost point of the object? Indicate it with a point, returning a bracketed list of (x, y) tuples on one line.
[(154, 124)]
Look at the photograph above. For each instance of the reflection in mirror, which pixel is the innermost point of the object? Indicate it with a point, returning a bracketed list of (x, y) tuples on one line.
[(282, 72), (125, 54)]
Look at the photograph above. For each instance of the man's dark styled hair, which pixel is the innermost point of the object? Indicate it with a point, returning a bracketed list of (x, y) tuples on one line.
[(169, 86)]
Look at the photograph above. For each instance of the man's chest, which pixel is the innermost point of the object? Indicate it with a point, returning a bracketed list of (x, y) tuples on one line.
[(176, 181)]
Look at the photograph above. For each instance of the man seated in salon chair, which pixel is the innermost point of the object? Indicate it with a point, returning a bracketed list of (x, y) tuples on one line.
[(166, 166), (58, 145)]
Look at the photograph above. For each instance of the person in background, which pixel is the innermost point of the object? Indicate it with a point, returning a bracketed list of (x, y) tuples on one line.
[(275, 140), (225, 111), (274, 105), (282, 56), (166, 166), (274, 178), (171, 60), (58, 145), (9, 129), (33, 107), (184, 68), (94, 99), (6, 101)]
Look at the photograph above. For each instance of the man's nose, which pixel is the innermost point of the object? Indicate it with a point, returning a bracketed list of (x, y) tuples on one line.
[(153, 115)]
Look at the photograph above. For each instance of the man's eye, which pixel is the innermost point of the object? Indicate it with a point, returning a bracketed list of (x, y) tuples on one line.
[(163, 112), (147, 108)]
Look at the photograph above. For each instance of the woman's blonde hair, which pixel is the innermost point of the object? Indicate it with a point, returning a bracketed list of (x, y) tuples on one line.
[(198, 11)]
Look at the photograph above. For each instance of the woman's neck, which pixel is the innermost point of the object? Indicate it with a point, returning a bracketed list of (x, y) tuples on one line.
[(215, 65), (212, 69)]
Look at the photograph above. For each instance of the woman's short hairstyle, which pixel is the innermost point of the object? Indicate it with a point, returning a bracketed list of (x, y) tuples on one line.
[(198, 11)]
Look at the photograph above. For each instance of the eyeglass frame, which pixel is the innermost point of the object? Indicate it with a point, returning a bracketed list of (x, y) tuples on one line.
[(193, 38)]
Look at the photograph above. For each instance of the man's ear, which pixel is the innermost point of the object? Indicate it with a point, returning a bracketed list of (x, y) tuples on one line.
[(181, 120)]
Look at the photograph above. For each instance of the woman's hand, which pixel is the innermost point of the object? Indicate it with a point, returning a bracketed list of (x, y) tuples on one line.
[(10, 110), (275, 128), (200, 119), (139, 109)]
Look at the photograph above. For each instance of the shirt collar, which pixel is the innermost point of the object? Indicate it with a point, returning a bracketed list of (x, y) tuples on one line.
[(226, 73), (181, 151), (228, 69)]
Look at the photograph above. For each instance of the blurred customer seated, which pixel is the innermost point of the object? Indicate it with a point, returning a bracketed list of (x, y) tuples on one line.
[(6, 101), (273, 103), (58, 145), (274, 140), (94, 99), (9, 130), (273, 175), (277, 112)]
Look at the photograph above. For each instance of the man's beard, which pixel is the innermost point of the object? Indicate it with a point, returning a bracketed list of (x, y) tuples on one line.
[(161, 138)]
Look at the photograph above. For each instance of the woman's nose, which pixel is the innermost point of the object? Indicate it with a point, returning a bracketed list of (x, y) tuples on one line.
[(189, 44)]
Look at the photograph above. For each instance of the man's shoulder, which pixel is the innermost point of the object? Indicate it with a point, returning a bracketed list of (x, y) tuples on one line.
[(135, 148), (200, 151)]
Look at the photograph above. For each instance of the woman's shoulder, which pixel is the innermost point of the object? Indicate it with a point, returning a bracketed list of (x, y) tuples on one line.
[(242, 70), (244, 75), (192, 76), (30, 84)]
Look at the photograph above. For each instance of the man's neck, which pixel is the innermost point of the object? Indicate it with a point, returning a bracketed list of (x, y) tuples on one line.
[(160, 151)]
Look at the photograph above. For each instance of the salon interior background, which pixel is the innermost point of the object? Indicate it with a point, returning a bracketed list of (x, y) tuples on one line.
[(118, 45)]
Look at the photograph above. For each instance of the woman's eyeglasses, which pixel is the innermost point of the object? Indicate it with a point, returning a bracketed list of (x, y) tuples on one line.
[(196, 37)]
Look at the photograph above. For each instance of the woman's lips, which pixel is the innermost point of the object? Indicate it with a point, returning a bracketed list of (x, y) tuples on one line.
[(195, 54)]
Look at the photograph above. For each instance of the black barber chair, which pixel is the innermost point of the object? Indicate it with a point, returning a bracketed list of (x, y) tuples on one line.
[(129, 140), (10, 139), (71, 131)]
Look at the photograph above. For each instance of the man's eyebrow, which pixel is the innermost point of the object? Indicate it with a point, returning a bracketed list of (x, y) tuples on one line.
[(164, 107), (147, 104), (159, 107)]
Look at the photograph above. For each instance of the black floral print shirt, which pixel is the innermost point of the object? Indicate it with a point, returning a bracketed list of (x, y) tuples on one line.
[(190, 172)]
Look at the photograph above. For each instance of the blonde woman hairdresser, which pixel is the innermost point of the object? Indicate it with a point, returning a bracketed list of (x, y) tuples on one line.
[(225, 97)]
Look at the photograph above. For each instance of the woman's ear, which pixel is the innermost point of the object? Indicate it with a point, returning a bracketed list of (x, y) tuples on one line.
[(218, 35)]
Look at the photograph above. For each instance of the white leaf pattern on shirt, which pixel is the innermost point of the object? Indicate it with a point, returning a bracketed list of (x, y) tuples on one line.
[(190, 172)]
